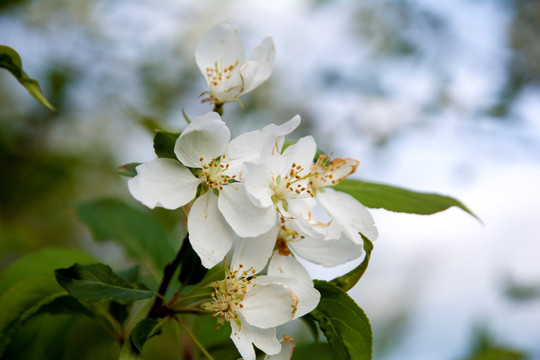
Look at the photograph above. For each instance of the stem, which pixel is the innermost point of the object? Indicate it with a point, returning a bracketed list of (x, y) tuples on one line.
[(194, 339), (156, 309), (218, 107)]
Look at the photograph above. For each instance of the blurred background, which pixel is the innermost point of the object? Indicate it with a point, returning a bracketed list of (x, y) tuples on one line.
[(433, 96)]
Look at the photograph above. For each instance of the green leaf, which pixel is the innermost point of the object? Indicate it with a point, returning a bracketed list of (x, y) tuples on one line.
[(66, 304), (397, 199), (343, 322), (11, 61), (138, 231), (313, 351), (143, 331), (312, 327), (128, 170), (164, 144), (96, 282), (42, 263), (191, 269), (23, 300), (347, 281)]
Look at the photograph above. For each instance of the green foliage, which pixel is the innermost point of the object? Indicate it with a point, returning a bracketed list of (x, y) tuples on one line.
[(347, 281), (136, 230), (11, 61), (22, 301), (485, 348), (128, 170), (164, 144), (343, 322), (397, 199), (66, 304), (96, 282), (313, 351), (143, 331), (191, 269), (42, 263), (521, 292)]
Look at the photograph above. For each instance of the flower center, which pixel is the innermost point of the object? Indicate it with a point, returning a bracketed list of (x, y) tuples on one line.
[(212, 173), (229, 293), (327, 173), (285, 236), (218, 73), (292, 185)]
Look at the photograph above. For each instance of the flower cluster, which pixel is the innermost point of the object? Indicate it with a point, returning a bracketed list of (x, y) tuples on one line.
[(255, 202)]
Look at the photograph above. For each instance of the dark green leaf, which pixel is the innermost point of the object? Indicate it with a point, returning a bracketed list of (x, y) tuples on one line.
[(118, 311), (66, 304), (164, 144), (138, 231), (97, 282), (10, 60), (397, 199), (347, 281), (41, 337), (343, 322), (22, 301), (42, 263), (130, 274), (313, 352), (143, 331), (191, 269), (128, 170)]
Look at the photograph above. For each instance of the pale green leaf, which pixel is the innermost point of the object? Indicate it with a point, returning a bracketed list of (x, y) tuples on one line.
[(42, 263), (23, 300), (143, 237)]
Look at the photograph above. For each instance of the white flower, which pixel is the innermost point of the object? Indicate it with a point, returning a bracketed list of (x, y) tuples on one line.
[(287, 348), (354, 218), (213, 220), (290, 183), (220, 57), (254, 306)]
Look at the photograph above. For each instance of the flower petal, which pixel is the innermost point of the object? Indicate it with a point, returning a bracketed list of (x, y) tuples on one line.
[(353, 217), (288, 267), (327, 252), (264, 55), (210, 235), (254, 252), (247, 335), (249, 146), (301, 154), (337, 170), (206, 138), (287, 348), (306, 295), (268, 305), (165, 183), (247, 72), (221, 45), (257, 180), (246, 219)]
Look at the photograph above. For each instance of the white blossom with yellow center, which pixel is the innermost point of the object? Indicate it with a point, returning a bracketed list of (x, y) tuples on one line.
[(255, 305), (220, 57), (222, 209)]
